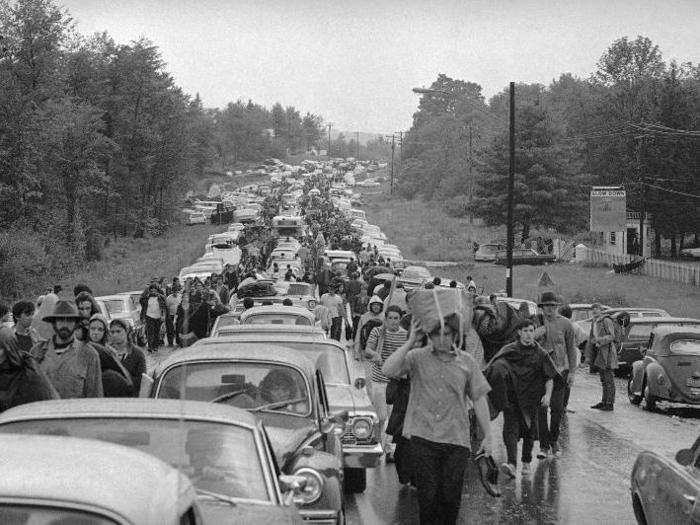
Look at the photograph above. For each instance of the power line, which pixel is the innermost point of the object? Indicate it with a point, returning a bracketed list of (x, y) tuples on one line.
[(671, 191)]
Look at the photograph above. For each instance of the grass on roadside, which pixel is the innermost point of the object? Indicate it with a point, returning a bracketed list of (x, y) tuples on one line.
[(422, 230), (129, 264)]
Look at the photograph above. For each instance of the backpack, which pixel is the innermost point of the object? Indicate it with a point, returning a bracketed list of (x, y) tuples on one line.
[(618, 331), (366, 330)]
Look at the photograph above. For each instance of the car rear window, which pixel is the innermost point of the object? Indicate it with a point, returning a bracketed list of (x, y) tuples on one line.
[(15, 514), (277, 319), (685, 346)]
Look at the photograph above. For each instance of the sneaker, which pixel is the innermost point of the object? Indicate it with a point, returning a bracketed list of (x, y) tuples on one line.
[(526, 469), (555, 450), (598, 406), (543, 453), (606, 408), (508, 469)]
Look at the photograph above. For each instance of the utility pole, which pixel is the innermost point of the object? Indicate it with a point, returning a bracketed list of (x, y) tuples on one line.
[(393, 147), (329, 140), (471, 180), (400, 153), (357, 140), (511, 184)]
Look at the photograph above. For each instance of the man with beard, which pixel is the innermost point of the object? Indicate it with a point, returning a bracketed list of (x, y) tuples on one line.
[(72, 366), (521, 376)]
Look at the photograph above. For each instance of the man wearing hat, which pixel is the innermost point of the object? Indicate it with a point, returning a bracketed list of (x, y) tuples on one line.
[(556, 336), (72, 366)]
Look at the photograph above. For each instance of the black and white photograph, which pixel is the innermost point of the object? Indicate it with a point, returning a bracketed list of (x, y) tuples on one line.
[(372, 262)]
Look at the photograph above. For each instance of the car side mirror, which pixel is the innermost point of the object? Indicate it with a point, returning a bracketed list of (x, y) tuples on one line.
[(684, 457), (360, 383)]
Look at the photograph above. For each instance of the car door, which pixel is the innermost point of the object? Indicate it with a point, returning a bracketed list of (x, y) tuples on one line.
[(678, 492), (332, 439)]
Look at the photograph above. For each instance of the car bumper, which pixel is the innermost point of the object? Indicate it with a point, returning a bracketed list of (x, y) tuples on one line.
[(362, 457), (319, 516)]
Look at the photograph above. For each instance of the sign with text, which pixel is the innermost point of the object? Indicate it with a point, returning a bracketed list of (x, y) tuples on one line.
[(608, 209)]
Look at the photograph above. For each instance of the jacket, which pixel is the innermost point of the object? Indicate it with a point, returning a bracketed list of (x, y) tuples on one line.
[(604, 355), (21, 379), (74, 373)]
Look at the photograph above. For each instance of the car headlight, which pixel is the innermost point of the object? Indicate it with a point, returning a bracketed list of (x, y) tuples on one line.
[(362, 428), (313, 488)]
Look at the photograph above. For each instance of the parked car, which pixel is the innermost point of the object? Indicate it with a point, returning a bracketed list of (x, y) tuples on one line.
[(488, 252), (195, 217), (345, 383), (525, 256), (122, 306), (286, 391), (223, 450), (693, 253), (58, 479), (202, 269), (638, 334), (582, 314), (670, 368), (278, 314), (665, 490)]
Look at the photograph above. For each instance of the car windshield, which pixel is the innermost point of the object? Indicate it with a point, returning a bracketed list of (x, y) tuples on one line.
[(114, 306), (16, 514), (226, 320), (269, 386), (685, 346), (217, 457)]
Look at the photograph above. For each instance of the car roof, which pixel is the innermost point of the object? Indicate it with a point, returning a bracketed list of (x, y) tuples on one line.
[(262, 329), (633, 309), (113, 297), (103, 476), (662, 320), (131, 408), (662, 331), (223, 348)]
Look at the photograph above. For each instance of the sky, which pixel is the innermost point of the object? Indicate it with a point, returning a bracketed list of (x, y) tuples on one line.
[(354, 62)]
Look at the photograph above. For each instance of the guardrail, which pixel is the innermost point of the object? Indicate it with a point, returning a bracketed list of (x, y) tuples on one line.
[(669, 271)]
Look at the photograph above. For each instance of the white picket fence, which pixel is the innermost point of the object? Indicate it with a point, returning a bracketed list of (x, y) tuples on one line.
[(670, 271)]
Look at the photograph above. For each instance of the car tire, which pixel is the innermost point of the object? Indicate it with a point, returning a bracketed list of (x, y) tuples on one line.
[(635, 399), (355, 480), (649, 399)]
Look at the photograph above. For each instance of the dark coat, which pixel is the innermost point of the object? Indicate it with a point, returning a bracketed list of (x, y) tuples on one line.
[(21, 378), (517, 375), (397, 393)]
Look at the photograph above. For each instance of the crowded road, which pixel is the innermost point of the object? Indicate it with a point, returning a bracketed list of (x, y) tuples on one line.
[(589, 483)]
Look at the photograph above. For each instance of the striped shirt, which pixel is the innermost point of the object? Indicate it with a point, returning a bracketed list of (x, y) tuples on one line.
[(391, 341)]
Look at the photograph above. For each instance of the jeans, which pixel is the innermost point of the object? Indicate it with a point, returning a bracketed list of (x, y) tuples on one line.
[(514, 428), (549, 430), (170, 329), (336, 328), (377, 395), (439, 472), (152, 333), (607, 379), (402, 459)]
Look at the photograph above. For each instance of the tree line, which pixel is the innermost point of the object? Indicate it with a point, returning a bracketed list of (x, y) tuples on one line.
[(97, 140), (629, 123)]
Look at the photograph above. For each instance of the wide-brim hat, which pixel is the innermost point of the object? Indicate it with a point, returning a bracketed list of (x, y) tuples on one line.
[(548, 299), (63, 309)]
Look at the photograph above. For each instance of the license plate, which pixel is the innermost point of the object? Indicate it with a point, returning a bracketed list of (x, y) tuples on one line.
[(693, 382)]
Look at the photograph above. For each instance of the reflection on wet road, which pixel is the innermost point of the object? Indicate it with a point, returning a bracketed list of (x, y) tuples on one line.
[(589, 483)]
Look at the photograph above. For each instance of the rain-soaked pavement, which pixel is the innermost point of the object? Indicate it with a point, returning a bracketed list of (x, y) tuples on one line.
[(589, 483)]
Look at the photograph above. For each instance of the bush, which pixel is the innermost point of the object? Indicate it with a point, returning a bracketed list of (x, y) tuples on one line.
[(23, 262)]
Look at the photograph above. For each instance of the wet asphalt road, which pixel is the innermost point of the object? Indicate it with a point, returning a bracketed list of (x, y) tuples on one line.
[(589, 483)]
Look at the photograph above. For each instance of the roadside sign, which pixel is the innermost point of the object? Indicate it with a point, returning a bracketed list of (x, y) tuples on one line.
[(608, 209)]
